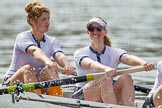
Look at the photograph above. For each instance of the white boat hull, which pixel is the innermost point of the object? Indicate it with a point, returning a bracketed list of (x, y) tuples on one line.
[(6, 102)]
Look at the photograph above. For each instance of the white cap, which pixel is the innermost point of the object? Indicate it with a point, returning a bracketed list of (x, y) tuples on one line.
[(97, 20)]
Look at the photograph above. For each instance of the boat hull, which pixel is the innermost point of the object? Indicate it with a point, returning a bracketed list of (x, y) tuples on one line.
[(50, 102)]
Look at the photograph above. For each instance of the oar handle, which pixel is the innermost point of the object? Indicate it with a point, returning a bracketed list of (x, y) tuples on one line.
[(131, 70), (121, 72), (62, 70)]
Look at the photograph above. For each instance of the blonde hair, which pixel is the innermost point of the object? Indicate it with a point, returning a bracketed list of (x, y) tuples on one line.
[(106, 38), (35, 9), (107, 41)]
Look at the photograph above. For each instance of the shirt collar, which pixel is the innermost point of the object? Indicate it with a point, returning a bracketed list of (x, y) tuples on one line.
[(96, 51), (37, 40)]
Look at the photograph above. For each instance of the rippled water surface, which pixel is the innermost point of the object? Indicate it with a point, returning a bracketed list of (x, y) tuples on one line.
[(134, 25)]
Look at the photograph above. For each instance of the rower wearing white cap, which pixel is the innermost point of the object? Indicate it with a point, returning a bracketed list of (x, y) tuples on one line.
[(100, 56)]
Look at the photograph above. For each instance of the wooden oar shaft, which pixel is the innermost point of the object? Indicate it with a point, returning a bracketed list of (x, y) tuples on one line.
[(131, 70), (121, 72)]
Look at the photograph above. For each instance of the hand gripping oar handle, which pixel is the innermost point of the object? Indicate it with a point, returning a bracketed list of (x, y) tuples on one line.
[(140, 68), (121, 72), (62, 70), (131, 70)]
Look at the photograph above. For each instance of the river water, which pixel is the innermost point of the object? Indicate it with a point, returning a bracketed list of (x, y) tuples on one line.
[(134, 25)]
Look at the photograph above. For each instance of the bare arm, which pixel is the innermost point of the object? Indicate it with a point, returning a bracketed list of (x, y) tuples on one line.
[(134, 61), (62, 60), (38, 54), (88, 63)]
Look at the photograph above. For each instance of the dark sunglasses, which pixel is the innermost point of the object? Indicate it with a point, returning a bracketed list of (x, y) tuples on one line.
[(91, 28)]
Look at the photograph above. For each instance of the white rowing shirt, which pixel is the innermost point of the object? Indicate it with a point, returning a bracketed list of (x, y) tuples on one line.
[(109, 57), (158, 80), (24, 40)]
